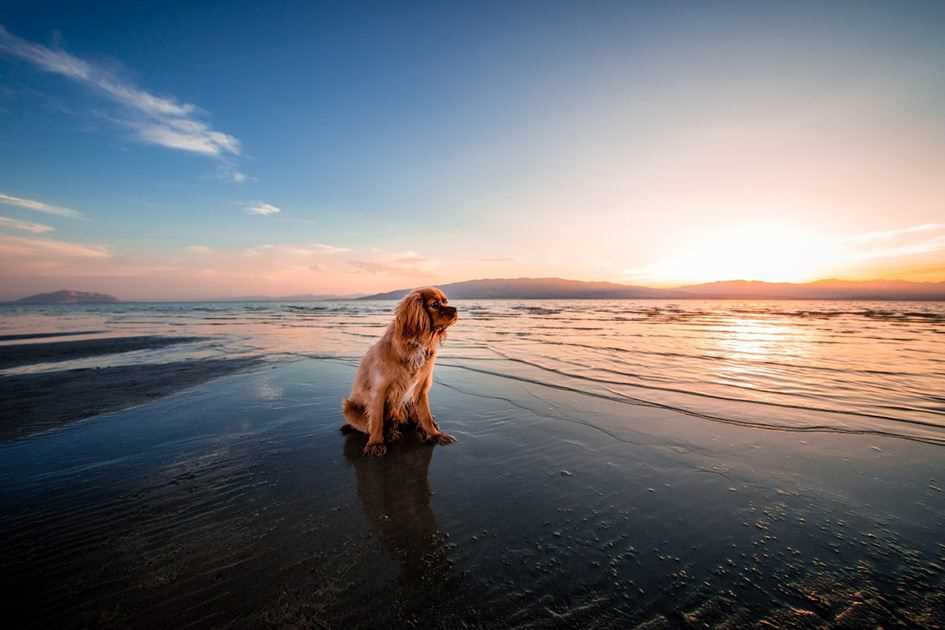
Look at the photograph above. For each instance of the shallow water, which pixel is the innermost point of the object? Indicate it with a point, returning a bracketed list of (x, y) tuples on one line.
[(238, 503), (813, 366)]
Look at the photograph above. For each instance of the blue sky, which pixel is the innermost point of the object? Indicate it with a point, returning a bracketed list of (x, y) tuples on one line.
[(404, 144)]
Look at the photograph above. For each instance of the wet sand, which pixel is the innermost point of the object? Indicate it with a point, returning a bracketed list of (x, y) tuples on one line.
[(54, 351), (238, 503), (49, 335), (30, 403)]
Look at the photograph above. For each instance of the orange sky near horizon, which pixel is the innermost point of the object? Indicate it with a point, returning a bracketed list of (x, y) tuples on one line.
[(768, 252)]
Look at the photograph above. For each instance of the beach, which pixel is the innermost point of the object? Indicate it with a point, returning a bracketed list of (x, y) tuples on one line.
[(212, 487)]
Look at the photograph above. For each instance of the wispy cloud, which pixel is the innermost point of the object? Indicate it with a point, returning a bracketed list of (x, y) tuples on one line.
[(35, 228), (228, 173), (913, 240), (371, 266), (408, 263), (887, 235), (186, 135), (39, 206), (906, 249), (290, 250), (27, 247), (330, 250), (162, 120), (263, 209)]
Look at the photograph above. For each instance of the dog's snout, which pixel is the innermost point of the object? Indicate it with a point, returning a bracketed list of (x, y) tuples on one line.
[(450, 310)]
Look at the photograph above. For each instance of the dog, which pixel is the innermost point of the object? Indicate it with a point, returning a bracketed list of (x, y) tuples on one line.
[(394, 378)]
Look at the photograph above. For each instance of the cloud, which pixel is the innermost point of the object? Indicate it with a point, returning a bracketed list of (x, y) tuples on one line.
[(35, 228), (886, 235), (908, 249), (257, 250), (290, 250), (403, 264), (228, 173), (162, 120), (408, 258), (264, 209), (21, 246), (199, 249), (370, 266), (39, 206), (330, 250), (194, 137), (896, 243), (279, 250)]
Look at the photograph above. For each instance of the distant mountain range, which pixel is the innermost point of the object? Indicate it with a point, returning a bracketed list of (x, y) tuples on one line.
[(68, 297), (558, 288), (820, 290), (533, 288), (82, 297)]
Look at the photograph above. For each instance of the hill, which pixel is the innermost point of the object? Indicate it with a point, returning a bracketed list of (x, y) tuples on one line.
[(68, 297), (536, 288), (830, 289), (559, 288)]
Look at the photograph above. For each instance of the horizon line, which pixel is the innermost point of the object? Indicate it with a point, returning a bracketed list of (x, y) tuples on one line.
[(617, 285)]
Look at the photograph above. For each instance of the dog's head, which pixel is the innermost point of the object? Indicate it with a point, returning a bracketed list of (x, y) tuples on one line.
[(422, 312)]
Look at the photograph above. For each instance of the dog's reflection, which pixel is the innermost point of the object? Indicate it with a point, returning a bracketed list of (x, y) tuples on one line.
[(395, 495)]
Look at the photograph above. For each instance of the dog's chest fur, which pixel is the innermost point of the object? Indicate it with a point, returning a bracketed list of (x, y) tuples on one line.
[(418, 357), (415, 361)]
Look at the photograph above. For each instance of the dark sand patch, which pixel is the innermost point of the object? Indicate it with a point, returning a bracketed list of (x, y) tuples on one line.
[(30, 353), (240, 505), (50, 334), (30, 403)]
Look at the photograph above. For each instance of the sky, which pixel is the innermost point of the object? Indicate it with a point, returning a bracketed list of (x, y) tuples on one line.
[(187, 150)]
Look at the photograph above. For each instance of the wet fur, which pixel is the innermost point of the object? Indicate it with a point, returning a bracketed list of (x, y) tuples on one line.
[(393, 382)]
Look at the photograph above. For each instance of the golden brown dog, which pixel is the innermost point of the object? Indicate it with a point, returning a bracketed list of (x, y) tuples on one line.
[(395, 375)]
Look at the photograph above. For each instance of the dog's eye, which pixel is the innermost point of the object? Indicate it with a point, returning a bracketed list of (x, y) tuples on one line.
[(435, 304)]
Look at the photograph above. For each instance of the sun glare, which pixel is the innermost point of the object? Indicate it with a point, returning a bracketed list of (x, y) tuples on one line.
[(768, 252)]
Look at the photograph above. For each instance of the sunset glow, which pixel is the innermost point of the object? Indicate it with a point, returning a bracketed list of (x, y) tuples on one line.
[(769, 252)]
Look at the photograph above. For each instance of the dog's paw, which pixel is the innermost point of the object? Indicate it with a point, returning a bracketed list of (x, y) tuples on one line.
[(444, 439), (374, 450), (440, 438), (393, 435)]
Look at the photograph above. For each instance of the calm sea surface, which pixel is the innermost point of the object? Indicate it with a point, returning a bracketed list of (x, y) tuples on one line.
[(807, 366)]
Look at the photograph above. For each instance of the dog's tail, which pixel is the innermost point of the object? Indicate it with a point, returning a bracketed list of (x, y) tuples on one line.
[(351, 407), (356, 416)]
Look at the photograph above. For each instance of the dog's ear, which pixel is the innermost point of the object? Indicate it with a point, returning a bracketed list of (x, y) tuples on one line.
[(411, 319)]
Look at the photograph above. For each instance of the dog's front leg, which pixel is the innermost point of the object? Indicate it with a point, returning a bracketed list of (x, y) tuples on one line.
[(429, 429), (375, 444)]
